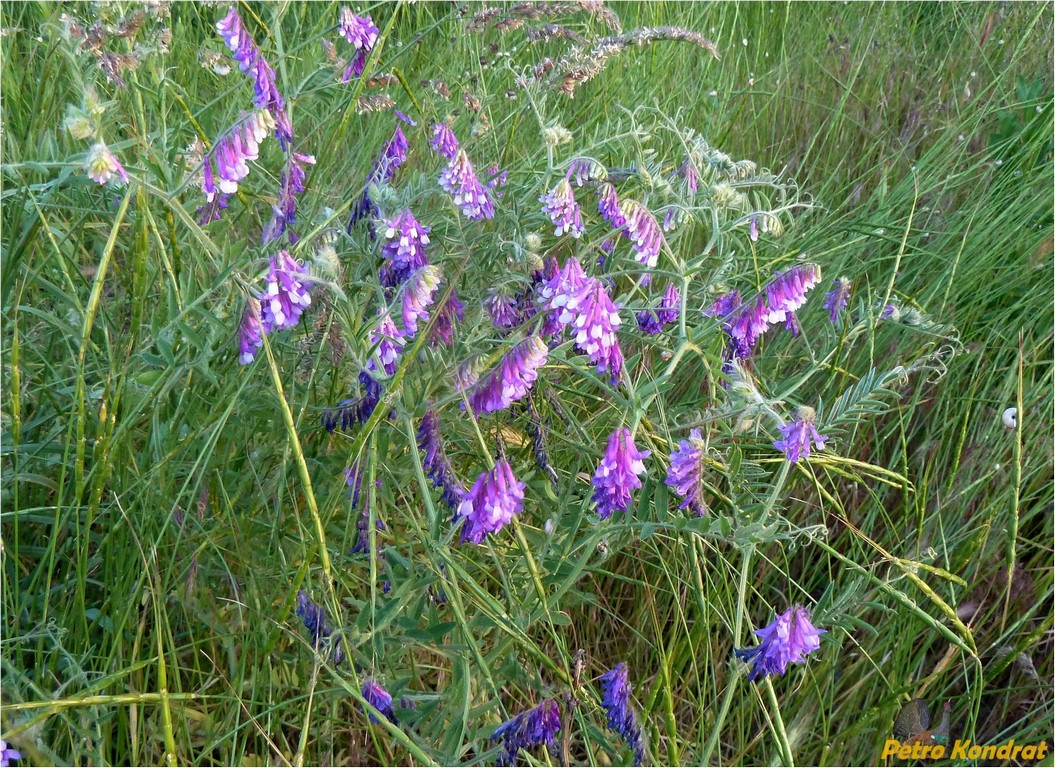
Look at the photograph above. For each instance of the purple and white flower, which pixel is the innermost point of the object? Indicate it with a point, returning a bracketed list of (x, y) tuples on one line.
[(789, 639), (459, 180), (512, 379), (559, 204), (286, 296), (618, 474), (685, 475), (495, 498)]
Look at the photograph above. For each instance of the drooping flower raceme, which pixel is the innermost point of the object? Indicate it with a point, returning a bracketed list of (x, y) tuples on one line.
[(789, 639), (389, 340), (798, 434), (787, 291), (291, 184), (595, 320), (102, 166), (355, 410), (250, 332), (685, 475), (251, 62), (555, 292), (361, 33), (653, 320), (583, 169), (286, 296), (533, 728), (502, 308), (403, 249), (379, 698), (723, 305), (443, 328), (608, 206), (618, 473), (559, 204), (459, 180), (622, 719), (643, 231), (512, 379), (418, 294), (835, 300), (443, 141), (227, 163), (436, 464), (491, 503), (314, 618)]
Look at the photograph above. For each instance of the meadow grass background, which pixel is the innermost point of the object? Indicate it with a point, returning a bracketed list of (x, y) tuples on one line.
[(130, 637)]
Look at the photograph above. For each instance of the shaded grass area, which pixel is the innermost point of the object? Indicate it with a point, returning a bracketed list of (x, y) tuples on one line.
[(156, 526)]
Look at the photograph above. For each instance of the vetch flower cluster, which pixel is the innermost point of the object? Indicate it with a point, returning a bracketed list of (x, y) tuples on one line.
[(786, 293), (291, 184), (390, 342), (512, 379), (643, 231), (459, 180), (618, 474), (286, 296), (789, 639), (418, 294), (559, 204), (228, 162), (7, 754), (594, 322), (251, 62), (436, 464), (444, 141), (495, 498), (403, 248), (835, 300), (798, 434), (250, 332), (685, 475), (653, 320), (355, 410), (380, 699), (314, 618), (532, 728), (622, 719), (361, 33)]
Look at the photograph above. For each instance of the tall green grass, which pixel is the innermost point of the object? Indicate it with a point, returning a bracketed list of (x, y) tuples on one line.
[(132, 638)]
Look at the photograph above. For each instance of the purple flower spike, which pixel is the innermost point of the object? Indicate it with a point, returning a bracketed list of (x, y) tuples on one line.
[(460, 181), (102, 166), (354, 479), (584, 169), (379, 698), (250, 332), (556, 291), (393, 156), (798, 435), (618, 473), (291, 184), (746, 325), (444, 141), (723, 305), (491, 503), (496, 181), (608, 206), (7, 754), (685, 476), (252, 63), (835, 300), (502, 308), (622, 719), (533, 728), (314, 618), (436, 464), (787, 291), (559, 204), (652, 321), (227, 164), (690, 174), (403, 249), (594, 322), (643, 231), (443, 328), (418, 294), (286, 296), (361, 33), (788, 640), (512, 379), (390, 341)]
